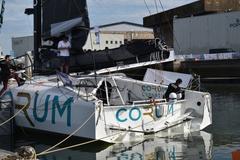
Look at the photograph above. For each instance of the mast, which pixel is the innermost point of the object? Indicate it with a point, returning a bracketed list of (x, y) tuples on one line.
[(52, 20), (36, 12), (37, 33)]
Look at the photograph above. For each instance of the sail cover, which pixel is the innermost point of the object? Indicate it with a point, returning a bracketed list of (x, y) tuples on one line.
[(62, 27), (70, 17)]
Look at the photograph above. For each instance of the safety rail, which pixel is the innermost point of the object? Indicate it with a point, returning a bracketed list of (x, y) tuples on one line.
[(150, 101), (23, 56)]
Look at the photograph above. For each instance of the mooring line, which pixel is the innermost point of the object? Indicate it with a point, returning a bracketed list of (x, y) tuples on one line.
[(13, 115), (65, 139), (48, 151), (84, 143), (24, 107)]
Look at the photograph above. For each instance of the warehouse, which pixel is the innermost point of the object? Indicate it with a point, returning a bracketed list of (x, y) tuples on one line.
[(214, 33), (169, 25), (115, 34)]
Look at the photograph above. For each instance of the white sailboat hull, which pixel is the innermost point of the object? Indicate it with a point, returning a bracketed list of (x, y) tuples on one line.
[(127, 114)]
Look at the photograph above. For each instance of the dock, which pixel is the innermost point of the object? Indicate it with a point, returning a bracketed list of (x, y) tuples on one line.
[(208, 69)]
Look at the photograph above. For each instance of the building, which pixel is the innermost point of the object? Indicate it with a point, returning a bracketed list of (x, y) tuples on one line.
[(115, 34), (101, 37), (205, 36), (163, 25), (213, 33), (100, 41), (20, 45)]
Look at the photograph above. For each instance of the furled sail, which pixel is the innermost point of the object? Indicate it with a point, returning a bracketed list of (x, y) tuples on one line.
[(66, 17)]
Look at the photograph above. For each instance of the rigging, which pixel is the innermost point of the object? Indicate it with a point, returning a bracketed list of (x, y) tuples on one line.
[(169, 23), (147, 7), (155, 1)]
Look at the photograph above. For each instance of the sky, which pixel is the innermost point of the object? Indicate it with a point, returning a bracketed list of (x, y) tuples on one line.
[(101, 12)]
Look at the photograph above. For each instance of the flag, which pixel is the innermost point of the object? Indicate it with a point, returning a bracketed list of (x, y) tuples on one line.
[(68, 80), (97, 34), (65, 79)]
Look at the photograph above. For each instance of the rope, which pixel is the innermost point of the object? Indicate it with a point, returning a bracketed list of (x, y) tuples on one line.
[(81, 144), (156, 5), (35, 156), (95, 140), (65, 139), (13, 116), (147, 7)]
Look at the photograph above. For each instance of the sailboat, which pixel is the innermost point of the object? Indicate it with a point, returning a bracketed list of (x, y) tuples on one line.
[(109, 108)]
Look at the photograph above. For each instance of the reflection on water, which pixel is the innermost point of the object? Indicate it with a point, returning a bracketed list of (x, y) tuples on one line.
[(217, 143), (195, 146), (226, 124), (226, 109)]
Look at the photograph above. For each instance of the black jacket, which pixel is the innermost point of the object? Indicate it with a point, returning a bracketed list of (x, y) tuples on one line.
[(5, 70), (172, 87)]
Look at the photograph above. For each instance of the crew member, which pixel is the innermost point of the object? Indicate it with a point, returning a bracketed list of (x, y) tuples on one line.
[(173, 88), (64, 55), (7, 72)]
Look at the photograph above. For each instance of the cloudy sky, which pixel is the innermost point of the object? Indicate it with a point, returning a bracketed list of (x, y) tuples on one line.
[(16, 23)]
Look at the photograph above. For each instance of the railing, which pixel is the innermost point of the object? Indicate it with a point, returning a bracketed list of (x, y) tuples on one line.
[(150, 101), (206, 57)]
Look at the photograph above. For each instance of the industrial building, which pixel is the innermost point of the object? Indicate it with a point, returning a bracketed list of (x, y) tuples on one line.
[(105, 36), (206, 34), (20, 45), (115, 34), (199, 27)]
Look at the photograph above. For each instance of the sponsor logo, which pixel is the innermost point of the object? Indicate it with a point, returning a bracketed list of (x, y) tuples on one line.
[(52, 107)]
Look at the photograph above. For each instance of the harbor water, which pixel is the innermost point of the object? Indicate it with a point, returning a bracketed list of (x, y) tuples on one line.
[(220, 141)]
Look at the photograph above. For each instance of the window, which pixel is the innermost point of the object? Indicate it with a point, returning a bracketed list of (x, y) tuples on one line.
[(111, 42), (116, 42), (120, 42), (106, 42)]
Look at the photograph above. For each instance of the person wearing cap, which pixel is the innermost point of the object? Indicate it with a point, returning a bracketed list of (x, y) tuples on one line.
[(64, 55), (7, 72), (173, 88)]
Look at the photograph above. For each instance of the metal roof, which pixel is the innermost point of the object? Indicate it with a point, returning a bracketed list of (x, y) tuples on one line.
[(124, 27)]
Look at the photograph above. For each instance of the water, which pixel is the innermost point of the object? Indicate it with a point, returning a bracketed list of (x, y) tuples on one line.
[(217, 142)]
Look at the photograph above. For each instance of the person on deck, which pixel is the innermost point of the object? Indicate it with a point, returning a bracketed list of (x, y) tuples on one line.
[(7, 72), (64, 55), (173, 88)]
